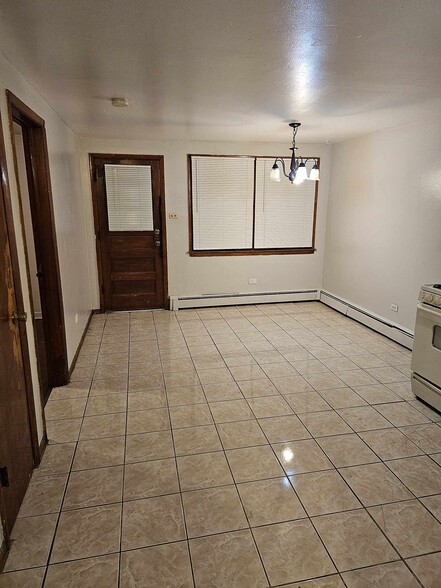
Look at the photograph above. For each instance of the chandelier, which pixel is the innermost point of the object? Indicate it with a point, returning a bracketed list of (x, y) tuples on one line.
[(297, 169)]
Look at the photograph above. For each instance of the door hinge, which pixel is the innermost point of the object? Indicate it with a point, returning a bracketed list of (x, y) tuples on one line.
[(4, 477)]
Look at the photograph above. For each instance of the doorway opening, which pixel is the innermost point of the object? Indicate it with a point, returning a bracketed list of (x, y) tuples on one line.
[(129, 214), (31, 163)]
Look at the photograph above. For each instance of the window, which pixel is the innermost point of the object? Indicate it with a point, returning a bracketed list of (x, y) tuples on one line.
[(235, 209), (129, 197)]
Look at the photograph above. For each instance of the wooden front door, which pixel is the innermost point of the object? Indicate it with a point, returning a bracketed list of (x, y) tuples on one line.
[(128, 196), (16, 442)]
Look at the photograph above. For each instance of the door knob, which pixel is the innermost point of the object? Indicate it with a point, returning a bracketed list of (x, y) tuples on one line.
[(19, 316)]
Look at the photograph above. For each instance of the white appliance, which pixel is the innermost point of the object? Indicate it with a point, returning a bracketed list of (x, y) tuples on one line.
[(426, 355)]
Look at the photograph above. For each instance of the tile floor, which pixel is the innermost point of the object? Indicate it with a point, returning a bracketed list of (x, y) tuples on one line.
[(234, 447)]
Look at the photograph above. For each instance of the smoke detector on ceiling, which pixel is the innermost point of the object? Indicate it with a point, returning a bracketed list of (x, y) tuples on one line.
[(119, 102)]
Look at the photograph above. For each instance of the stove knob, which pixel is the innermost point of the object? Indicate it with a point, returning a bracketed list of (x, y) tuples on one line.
[(428, 297), (438, 300)]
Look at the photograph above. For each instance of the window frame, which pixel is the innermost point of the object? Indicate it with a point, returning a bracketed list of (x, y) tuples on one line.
[(235, 252)]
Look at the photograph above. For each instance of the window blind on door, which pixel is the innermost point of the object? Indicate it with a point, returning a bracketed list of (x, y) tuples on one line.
[(129, 197), (284, 216), (222, 202)]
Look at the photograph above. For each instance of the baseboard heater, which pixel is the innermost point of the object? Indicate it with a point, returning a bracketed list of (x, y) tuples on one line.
[(391, 330), (204, 300)]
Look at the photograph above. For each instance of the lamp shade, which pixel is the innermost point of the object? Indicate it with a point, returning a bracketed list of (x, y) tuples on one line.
[(302, 173), (275, 173), (315, 173)]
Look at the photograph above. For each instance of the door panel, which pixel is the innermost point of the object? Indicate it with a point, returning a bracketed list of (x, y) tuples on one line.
[(127, 204), (16, 452)]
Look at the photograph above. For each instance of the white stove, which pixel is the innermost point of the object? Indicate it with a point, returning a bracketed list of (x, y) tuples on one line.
[(426, 356)]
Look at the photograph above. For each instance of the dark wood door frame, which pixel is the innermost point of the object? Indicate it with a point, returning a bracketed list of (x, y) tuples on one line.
[(45, 239), (5, 196), (118, 156)]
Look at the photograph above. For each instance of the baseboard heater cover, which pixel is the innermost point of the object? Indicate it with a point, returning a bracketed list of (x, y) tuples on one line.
[(377, 323), (236, 299)]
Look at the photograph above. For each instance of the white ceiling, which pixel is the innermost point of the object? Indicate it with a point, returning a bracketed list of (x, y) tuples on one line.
[(228, 69)]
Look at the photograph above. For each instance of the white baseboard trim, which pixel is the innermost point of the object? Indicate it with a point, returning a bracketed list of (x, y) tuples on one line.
[(204, 300), (393, 331)]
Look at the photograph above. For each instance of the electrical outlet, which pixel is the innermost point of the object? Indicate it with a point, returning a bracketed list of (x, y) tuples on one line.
[(394, 307), (173, 215), (252, 281)]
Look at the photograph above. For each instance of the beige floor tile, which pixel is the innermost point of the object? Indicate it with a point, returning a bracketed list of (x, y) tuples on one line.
[(364, 418), (376, 394), (238, 359), (310, 366), (258, 388), (150, 478), (390, 444), (57, 459), (426, 437), (147, 382), (43, 496), (387, 375), (205, 470), (146, 446), (179, 379), (301, 456), (63, 431), (426, 568), (270, 501), (185, 395), (94, 488), (247, 372), (401, 414), (339, 364), (229, 560), (227, 411), (108, 385), (254, 463), (103, 425), (420, 474), (191, 415), (386, 575), (73, 390), (87, 573), (146, 400), (177, 365), (292, 552), (279, 370), (152, 521), (241, 434), (148, 421), (65, 409), (222, 391), (87, 532), (23, 579), (213, 510), (433, 414), (161, 566), (325, 381), (109, 404), (196, 440), (342, 398), (356, 378), (353, 540), (333, 581), (269, 406), (31, 540), (215, 376), (433, 503), (410, 528), (291, 384), (375, 484), (324, 492), (302, 402), (284, 428), (347, 450), (97, 453), (324, 424)]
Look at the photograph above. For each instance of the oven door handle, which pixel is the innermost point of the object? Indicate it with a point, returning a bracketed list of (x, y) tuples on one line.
[(436, 315)]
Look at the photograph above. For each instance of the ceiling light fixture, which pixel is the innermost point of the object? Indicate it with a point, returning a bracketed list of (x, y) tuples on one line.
[(119, 102), (297, 169)]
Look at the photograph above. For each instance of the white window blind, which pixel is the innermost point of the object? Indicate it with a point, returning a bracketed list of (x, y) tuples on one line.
[(129, 197), (222, 202), (284, 211)]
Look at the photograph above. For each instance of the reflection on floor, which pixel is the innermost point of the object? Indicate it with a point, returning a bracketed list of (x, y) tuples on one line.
[(234, 447)]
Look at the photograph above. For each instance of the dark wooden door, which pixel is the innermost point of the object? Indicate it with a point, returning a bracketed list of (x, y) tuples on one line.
[(128, 206), (16, 449)]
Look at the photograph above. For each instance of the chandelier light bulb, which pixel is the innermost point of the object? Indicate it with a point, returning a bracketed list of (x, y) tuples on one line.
[(275, 173), (297, 181), (302, 173), (315, 173)]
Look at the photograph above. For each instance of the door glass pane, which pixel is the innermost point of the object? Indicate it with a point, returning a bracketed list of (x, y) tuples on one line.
[(129, 197)]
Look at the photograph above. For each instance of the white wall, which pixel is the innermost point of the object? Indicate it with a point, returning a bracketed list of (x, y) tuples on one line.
[(383, 235), (68, 210), (198, 275)]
